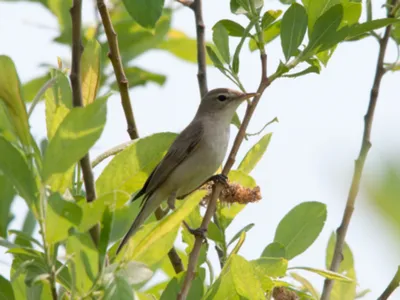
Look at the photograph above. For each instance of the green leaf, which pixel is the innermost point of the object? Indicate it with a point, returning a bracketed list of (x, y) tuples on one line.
[(239, 244), (325, 273), (148, 248), (129, 169), (269, 17), (137, 77), (360, 29), (270, 33), (174, 286), (254, 155), (274, 249), (14, 165), (26, 239), (58, 100), (84, 256), (79, 130), (242, 178), (236, 121), (300, 227), (31, 88), (90, 71), (146, 13), (27, 228), (7, 194), (6, 291), (221, 41), (238, 280), (312, 69), (182, 46), (233, 28), (65, 214), (10, 93), (315, 9), (326, 33), (215, 59), (342, 290), (242, 6), (135, 272), (91, 213), (7, 129), (268, 268), (105, 234), (118, 289), (351, 13), (237, 235), (293, 29), (306, 285)]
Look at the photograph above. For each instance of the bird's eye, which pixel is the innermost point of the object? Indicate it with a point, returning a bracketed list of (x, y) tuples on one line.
[(222, 97)]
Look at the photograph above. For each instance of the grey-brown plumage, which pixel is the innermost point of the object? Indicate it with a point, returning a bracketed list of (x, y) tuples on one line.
[(194, 156)]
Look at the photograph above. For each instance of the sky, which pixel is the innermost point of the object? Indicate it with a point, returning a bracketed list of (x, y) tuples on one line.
[(311, 154)]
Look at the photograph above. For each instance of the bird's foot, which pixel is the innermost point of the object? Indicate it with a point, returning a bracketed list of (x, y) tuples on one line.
[(197, 232), (220, 178)]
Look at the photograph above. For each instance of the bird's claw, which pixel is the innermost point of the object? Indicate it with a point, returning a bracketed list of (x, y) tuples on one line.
[(220, 178), (197, 232)]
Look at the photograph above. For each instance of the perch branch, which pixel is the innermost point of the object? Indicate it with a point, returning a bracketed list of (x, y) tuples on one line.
[(123, 86), (194, 255), (115, 57), (393, 285), (77, 48), (359, 163), (196, 6)]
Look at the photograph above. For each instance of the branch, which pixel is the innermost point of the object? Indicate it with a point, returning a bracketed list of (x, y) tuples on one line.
[(194, 255), (77, 48), (359, 163), (196, 6), (393, 285), (113, 151), (115, 57)]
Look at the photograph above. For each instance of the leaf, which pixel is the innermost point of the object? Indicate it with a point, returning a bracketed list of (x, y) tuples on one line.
[(269, 17), (351, 13), (236, 121), (146, 13), (10, 93), (326, 33), (137, 77), (90, 71), (144, 249), (79, 130), (7, 194), (135, 272), (221, 41), (242, 6), (360, 29), (239, 244), (312, 69), (267, 268), (254, 155), (174, 286), (242, 178), (274, 249), (182, 46), (238, 280), (293, 29), (306, 285), (31, 88), (65, 214), (237, 235), (270, 33), (85, 257), (129, 169), (27, 228), (325, 273), (26, 239), (118, 289), (105, 234), (215, 59), (300, 227), (6, 291), (315, 9), (91, 213), (233, 28), (14, 165)]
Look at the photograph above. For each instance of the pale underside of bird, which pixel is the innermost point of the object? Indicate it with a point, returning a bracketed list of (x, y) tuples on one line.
[(193, 157)]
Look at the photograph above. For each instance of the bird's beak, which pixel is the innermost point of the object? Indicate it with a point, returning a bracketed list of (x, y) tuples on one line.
[(245, 96)]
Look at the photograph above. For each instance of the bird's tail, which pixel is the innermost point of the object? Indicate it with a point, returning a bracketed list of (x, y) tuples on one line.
[(148, 207)]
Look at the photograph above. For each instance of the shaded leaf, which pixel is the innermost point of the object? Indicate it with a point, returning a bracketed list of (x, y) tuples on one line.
[(306, 285), (6, 291), (274, 249), (146, 13), (137, 76), (118, 289), (237, 235), (233, 28), (7, 194), (31, 88), (221, 41)]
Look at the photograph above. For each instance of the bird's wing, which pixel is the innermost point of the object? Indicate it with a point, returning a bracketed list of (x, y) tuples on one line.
[(183, 146)]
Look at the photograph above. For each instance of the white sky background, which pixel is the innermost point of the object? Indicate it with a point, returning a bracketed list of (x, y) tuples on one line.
[(312, 151)]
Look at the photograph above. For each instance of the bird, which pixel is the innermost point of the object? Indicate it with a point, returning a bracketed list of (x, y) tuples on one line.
[(193, 157)]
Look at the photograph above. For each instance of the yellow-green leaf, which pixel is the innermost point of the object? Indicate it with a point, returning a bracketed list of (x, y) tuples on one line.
[(255, 154), (10, 93), (325, 273), (90, 71)]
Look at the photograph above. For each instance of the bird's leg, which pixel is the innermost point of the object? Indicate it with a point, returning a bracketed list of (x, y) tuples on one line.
[(221, 178), (200, 232)]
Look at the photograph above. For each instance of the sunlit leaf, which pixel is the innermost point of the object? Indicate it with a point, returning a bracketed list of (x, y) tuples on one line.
[(90, 71), (325, 273), (254, 155), (269, 17)]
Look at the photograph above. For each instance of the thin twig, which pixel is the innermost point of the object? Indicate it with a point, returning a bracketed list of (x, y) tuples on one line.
[(77, 49), (113, 151), (359, 163), (217, 188), (39, 95), (197, 7), (115, 57), (393, 285)]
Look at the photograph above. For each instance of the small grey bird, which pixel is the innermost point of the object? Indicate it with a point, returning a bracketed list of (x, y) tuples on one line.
[(193, 157)]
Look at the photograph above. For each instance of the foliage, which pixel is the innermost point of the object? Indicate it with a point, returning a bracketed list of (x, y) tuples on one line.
[(48, 178)]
